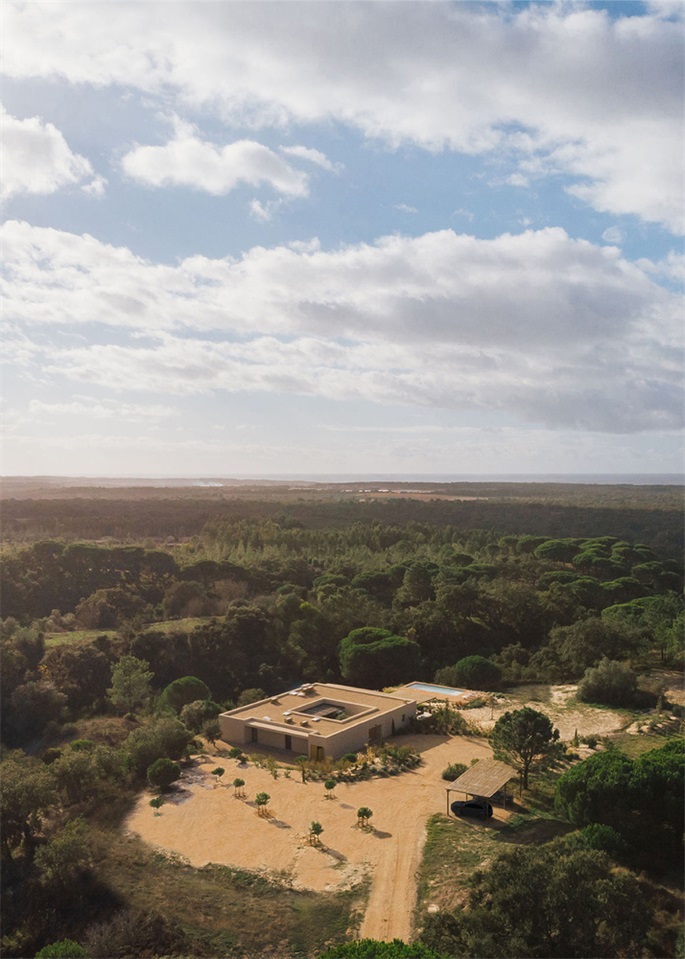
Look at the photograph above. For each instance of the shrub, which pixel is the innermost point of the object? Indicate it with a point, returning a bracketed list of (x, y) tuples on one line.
[(162, 773), (453, 771), (195, 714), (600, 836), (249, 696), (63, 949), (473, 672), (611, 684), (163, 738)]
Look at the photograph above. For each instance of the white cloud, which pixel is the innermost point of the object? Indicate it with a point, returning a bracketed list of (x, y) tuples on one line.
[(612, 235), (189, 161), (37, 159), (314, 156), (556, 331), (564, 88), (107, 409), (263, 212), (672, 267), (405, 208)]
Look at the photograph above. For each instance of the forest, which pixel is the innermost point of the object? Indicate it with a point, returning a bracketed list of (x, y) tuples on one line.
[(129, 623)]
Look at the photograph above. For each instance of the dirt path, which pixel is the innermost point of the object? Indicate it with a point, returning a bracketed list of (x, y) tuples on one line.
[(206, 823)]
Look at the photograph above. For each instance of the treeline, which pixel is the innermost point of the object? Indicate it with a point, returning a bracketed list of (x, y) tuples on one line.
[(656, 521), (368, 604)]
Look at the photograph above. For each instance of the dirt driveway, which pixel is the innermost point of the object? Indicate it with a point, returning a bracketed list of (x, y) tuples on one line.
[(206, 823)]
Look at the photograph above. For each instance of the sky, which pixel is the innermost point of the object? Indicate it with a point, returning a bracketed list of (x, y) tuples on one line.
[(270, 238)]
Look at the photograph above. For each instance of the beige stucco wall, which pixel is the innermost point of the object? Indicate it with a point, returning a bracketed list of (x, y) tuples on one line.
[(350, 738), (355, 737)]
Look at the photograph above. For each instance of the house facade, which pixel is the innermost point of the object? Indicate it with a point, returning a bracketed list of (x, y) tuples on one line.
[(319, 720)]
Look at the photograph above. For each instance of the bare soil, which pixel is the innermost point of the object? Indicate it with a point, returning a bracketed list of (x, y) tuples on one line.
[(204, 822), (568, 718)]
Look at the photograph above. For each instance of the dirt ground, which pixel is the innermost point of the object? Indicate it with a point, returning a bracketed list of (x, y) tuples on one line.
[(206, 823), (553, 701)]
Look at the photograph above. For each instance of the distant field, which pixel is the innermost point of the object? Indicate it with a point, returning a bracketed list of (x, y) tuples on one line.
[(88, 635)]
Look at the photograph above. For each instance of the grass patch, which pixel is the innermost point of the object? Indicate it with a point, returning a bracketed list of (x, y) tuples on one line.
[(77, 637), (224, 911), (635, 744), (88, 635), (456, 848), (186, 625)]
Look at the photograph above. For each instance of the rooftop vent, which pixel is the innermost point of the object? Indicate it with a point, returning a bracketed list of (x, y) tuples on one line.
[(266, 719)]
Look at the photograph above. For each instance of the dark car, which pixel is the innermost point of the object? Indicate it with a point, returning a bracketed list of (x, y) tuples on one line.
[(472, 807)]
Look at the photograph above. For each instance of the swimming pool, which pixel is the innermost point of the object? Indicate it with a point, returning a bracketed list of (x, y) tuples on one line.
[(438, 690)]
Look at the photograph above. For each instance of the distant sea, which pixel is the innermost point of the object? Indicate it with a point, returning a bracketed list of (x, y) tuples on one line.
[(630, 479)]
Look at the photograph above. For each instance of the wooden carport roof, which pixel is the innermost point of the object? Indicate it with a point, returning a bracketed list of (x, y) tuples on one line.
[(484, 779)]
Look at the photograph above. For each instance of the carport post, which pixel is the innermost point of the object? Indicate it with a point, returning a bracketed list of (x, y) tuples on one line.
[(447, 793)]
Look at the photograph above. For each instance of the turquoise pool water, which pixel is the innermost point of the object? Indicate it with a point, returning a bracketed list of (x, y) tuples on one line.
[(438, 690)]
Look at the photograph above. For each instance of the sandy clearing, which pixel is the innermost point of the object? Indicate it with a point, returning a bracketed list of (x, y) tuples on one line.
[(206, 823), (579, 718)]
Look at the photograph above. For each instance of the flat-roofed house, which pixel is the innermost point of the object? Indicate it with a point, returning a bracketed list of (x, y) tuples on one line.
[(318, 720)]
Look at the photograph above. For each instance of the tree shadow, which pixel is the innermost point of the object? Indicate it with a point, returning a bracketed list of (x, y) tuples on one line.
[(279, 823), (333, 853)]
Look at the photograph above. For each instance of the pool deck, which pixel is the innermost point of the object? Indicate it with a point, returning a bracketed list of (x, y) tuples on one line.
[(455, 696)]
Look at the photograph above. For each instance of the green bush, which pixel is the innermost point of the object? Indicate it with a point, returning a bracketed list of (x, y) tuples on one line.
[(163, 738), (453, 771), (162, 773), (611, 684), (472, 672), (63, 949)]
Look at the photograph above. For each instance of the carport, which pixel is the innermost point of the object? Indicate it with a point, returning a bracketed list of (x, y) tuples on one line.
[(483, 780)]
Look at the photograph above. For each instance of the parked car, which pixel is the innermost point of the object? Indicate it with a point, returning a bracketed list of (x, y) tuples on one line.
[(472, 807)]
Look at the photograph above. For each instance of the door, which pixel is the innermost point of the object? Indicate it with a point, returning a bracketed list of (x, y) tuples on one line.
[(375, 734), (289, 743)]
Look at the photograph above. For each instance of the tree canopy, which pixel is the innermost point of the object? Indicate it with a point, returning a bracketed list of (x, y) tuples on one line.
[(130, 683), (546, 902), (523, 737)]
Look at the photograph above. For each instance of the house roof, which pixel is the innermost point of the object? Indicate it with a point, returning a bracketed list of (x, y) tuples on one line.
[(312, 708), (484, 778)]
